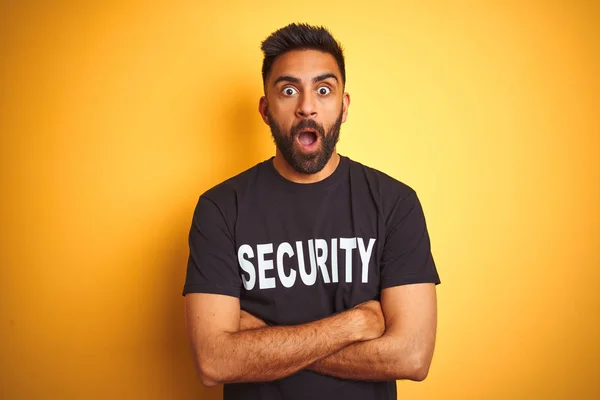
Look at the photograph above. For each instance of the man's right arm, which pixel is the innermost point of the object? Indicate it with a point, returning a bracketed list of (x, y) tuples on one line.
[(224, 354)]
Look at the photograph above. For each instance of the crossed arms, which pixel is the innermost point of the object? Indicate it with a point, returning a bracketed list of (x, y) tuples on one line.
[(374, 341)]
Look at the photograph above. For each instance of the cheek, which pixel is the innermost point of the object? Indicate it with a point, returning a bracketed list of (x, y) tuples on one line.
[(282, 113), (283, 108), (280, 109), (331, 113), (284, 123), (331, 105)]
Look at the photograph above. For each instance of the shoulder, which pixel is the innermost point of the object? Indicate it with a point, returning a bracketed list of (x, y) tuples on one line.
[(385, 187), (398, 202), (225, 197), (234, 186)]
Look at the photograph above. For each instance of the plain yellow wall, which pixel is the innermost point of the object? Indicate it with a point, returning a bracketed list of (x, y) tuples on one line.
[(114, 118)]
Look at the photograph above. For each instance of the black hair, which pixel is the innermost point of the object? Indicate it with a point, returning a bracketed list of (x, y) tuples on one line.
[(300, 37)]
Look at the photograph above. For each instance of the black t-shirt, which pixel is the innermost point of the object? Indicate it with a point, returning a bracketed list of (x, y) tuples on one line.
[(295, 253)]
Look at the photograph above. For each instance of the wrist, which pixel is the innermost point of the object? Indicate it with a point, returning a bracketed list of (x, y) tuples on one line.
[(355, 324)]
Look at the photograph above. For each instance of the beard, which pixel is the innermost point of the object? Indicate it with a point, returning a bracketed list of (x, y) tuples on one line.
[(306, 163)]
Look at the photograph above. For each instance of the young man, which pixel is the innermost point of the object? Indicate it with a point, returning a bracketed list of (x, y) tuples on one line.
[(310, 275)]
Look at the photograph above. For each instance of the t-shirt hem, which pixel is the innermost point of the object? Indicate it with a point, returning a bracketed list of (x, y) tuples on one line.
[(213, 289)]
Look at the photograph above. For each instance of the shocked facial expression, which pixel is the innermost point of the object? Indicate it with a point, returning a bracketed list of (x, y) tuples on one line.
[(305, 105)]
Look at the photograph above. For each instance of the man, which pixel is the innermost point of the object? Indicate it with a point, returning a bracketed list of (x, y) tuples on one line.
[(310, 275)]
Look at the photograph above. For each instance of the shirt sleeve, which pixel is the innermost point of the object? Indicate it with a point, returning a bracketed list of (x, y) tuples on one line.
[(212, 265), (407, 257)]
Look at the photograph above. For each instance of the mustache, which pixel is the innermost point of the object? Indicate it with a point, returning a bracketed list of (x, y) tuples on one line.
[(307, 124)]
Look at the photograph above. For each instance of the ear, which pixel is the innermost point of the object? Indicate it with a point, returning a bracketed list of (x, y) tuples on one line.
[(263, 109), (345, 105)]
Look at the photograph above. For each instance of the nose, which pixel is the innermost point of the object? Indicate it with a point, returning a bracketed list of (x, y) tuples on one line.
[(307, 107)]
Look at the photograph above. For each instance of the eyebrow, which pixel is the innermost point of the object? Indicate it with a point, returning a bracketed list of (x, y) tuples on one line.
[(292, 79)]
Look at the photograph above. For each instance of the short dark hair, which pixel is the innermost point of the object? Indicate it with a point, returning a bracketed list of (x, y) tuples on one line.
[(300, 37)]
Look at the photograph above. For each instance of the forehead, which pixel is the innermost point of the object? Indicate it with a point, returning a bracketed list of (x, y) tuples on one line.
[(304, 64)]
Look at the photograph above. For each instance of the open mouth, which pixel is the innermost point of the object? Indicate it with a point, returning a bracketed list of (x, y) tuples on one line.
[(307, 137)]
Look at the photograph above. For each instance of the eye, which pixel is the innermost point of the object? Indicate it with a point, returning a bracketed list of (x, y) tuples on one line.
[(289, 91), (324, 90)]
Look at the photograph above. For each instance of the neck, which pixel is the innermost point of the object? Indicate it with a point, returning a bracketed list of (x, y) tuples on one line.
[(291, 174)]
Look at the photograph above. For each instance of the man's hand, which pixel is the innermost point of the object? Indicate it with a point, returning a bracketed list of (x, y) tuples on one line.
[(406, 348), (374, 319), (249, 321)]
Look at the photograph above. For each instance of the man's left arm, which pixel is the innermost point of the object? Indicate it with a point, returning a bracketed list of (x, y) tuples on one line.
[(408, 302), (406, 348)]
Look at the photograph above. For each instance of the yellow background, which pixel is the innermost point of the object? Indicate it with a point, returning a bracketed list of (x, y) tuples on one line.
[(115, 117)]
